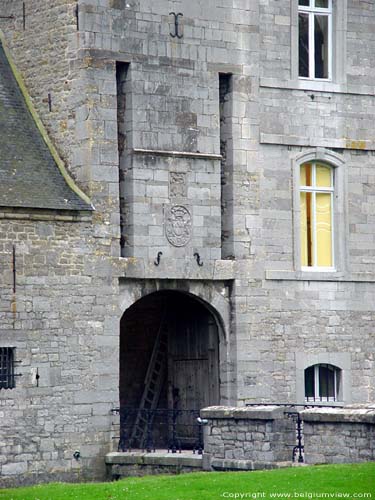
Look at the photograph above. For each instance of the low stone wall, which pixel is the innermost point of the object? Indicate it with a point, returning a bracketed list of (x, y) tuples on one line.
[(247, 438), (342, 435), (261, 437)]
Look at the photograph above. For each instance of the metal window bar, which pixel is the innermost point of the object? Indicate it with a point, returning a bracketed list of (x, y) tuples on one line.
[(324, 372), (7, 377)]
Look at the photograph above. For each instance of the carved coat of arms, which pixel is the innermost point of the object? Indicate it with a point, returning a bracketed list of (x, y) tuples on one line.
[(177, 225)]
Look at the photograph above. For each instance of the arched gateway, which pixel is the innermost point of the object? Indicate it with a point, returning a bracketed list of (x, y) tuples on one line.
[(169, 369)]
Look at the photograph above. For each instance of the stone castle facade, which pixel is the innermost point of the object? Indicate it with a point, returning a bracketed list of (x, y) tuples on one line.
[(196, 139)]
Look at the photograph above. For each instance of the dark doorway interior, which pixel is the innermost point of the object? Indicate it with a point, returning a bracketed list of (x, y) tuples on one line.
[(169, 359)]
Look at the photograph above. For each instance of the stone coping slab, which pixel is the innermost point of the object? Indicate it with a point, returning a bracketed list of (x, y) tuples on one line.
[(159, 457), (243, 413), (360, 415), (226, 464)]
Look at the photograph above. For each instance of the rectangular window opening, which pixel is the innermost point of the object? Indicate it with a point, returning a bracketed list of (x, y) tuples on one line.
[(314, 39), (7, 377)]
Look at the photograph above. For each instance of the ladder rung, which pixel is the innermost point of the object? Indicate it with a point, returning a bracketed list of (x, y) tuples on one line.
[(153, 383)]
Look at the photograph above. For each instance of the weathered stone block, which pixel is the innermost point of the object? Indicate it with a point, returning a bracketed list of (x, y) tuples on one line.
[(14, 468)]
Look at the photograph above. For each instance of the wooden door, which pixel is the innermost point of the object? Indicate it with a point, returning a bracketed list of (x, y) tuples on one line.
[(193, 371), (190, 378)]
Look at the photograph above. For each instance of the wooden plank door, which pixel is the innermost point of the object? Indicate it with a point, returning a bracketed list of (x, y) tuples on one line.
[(193, 371)]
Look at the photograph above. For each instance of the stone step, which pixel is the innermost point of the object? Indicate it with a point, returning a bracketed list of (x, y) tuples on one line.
[(140, 463)]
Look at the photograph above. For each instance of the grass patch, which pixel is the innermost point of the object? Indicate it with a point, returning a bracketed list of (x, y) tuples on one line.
[(356, 481)]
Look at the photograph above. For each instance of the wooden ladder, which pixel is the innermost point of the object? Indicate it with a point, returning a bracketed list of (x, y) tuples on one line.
[(153, 385)]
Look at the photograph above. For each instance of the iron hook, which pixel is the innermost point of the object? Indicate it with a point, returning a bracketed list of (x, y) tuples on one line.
[(176, 25), (198, 259), (157, 260)]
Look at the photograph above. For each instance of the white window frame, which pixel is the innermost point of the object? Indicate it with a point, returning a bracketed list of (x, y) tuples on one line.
[(338, 51), (314, 190), (312, 11), (341, 230)]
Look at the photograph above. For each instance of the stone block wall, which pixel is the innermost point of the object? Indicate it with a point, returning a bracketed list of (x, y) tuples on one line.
[(294, 320), (261, 437), (247, 438), (172, 205), (61, 318), (344, 435), (68, 299)]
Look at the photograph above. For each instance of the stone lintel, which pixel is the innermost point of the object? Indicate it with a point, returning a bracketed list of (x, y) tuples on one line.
[(138, 268), (339, 415), (243, 413), (225, 68)]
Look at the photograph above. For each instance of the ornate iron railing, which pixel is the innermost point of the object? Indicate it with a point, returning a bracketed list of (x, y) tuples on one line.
[(170, 429)]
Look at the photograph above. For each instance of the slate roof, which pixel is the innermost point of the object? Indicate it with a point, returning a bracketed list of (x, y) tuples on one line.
[(29, 175)]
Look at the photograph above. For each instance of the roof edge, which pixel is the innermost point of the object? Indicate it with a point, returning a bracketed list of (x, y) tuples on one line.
[(30, 106)]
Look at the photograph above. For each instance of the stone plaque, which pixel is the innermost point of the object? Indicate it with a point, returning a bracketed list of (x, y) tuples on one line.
[(177, 184), (178, 225)]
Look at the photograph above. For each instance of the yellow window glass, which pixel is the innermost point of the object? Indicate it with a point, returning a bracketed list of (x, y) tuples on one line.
[(305, 175), (306, 233), (323, 229), (323, 176)]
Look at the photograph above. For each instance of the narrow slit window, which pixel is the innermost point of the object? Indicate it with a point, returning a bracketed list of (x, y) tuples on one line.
[(226, 150), (316, 216), (315, 39), (123, 124)]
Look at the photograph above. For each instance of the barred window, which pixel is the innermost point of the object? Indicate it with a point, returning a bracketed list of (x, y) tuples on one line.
[(7, 379), (322, 383)]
